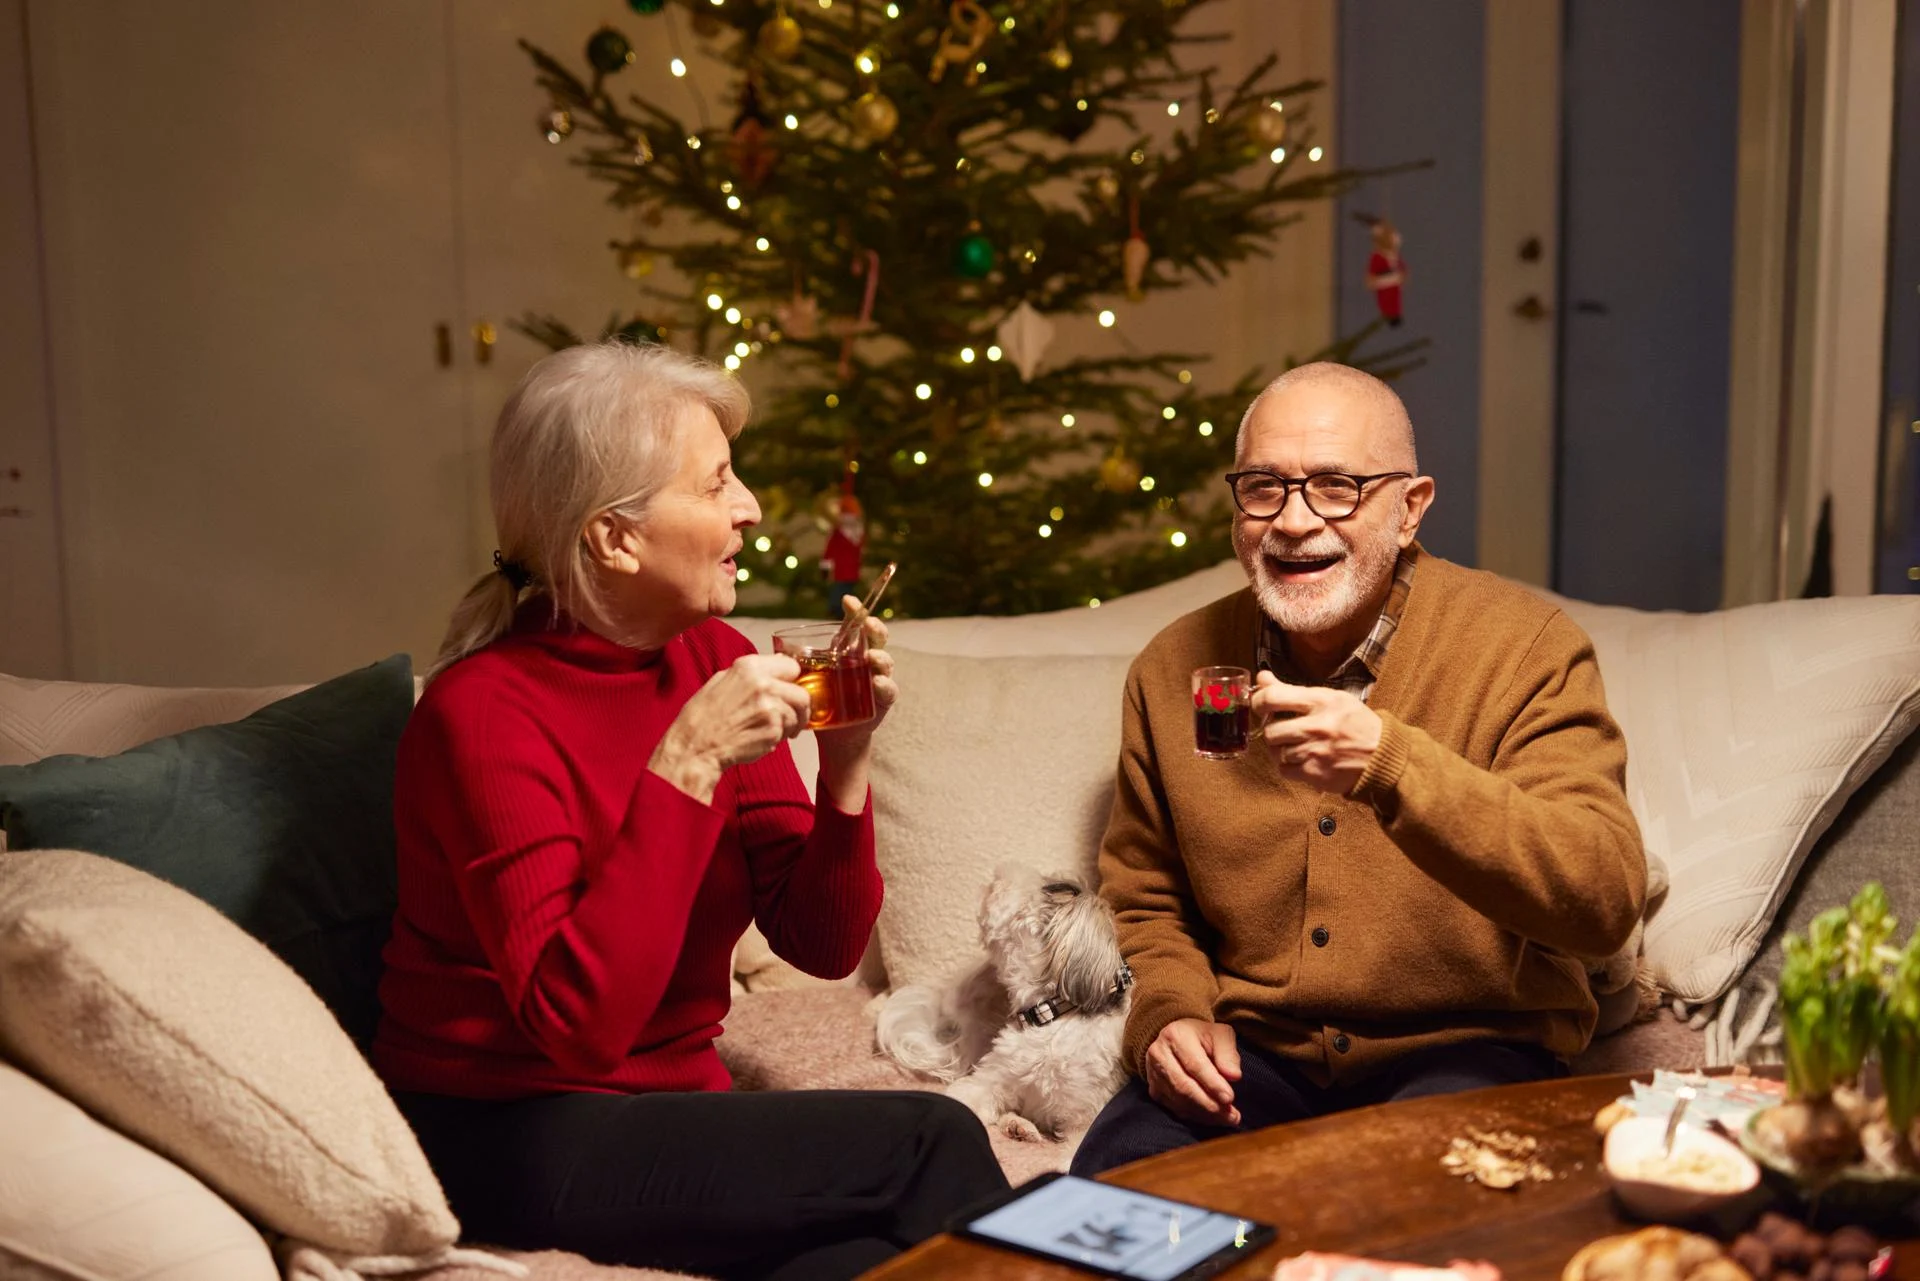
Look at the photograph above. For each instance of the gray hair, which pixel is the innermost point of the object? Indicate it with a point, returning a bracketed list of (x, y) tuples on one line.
[(1388, 413), (590, 430)]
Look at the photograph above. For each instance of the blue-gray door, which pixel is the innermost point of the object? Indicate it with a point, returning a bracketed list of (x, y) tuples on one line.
[(1411, 88), (1898, 545), (1650, 100)]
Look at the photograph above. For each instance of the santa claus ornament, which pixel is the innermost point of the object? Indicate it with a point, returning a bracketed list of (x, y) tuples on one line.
[(846, 542), (750, 147), (1386, 270)]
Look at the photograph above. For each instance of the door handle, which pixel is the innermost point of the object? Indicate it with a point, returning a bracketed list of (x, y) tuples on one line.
[(1590, 307), (484, 336), (1531, 308)]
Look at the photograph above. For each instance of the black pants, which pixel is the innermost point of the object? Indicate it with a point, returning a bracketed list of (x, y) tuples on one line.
[(1272, 1091), (807, 1184)]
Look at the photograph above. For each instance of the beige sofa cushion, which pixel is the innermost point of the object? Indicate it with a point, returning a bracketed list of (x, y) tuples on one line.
[(1747, 729), (990, 760), (79, 1199), (154, 1012), (56, 718)]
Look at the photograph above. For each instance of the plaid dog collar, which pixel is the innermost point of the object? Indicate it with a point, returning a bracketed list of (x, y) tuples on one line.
[(1053, 1007)]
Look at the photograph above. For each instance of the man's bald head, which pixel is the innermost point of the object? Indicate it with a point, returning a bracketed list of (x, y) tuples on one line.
[(1389, 430)]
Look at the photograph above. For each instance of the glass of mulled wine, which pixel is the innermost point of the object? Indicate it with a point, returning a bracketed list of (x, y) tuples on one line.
[(1220, 712), (838, 679)]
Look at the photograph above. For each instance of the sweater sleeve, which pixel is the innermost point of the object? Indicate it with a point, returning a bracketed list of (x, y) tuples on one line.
[(1144, 880), (1542, 843), (816, 886), (581, 935)]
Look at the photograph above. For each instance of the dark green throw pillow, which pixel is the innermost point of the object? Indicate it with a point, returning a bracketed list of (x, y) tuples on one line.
[(283, 821)]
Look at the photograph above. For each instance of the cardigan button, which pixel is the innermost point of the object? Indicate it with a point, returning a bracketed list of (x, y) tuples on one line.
[(1340, 1043), (1326, 825), (1320, 936)]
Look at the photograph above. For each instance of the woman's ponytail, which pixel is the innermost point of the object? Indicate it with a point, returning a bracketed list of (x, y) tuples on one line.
[(483, 616)]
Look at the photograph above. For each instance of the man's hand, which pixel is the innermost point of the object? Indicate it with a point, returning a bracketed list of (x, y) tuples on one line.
[(1190, 1068), (1321, 737)]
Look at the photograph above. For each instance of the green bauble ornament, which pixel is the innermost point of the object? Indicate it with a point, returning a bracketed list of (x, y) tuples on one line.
[(646, 6), (973, 256), (608, 51)]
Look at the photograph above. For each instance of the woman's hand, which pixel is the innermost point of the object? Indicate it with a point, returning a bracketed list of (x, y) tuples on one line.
[(739, 715), (846, 754)]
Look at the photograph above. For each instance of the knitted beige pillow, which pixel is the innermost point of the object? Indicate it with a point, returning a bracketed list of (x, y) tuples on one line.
[(1747, 730), (155, 1013), (78, 1199), (986, 761)]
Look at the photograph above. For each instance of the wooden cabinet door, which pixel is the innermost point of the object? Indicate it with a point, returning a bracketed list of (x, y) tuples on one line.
[(33, 639), (533, 229), (248, 229)]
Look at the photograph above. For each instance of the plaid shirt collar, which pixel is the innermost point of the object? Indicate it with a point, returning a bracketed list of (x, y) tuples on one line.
[(1362, 667)]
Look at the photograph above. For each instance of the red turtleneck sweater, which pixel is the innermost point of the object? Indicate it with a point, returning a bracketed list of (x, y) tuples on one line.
[(567, 918)]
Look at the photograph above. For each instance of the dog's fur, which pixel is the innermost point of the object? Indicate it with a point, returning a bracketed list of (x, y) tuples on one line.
[(1045, 937)]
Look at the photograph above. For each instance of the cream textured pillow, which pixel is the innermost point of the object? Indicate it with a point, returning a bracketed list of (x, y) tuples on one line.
[(984, 761), (154, 1012), (81, 1200), (1747, 729), (53, 718)]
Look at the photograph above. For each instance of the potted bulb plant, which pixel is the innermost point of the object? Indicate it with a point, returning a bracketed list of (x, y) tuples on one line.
[(1849, 1002)]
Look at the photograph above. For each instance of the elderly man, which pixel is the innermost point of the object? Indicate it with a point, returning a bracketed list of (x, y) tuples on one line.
[(1395, 894)]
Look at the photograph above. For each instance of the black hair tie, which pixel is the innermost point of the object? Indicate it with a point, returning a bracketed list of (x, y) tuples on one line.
[(513, 571)]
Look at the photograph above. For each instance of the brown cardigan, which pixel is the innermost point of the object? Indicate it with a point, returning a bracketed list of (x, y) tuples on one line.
[(1486, 850)]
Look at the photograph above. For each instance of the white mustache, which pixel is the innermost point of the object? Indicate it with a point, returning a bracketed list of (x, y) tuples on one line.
[(1306, 551)]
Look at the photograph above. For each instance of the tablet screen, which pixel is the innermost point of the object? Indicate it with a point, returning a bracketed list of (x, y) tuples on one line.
[(1113, 1229)]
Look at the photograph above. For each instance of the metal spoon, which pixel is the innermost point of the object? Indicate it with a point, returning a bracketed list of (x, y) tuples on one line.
[(844, 637), (1682, 1096)]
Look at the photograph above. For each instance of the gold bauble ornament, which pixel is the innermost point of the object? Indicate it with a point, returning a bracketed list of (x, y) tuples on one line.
[(636, 263), (1119, 473), (1268, 127), (780, 37), (1108, 186), (1060, 57), (874, 116), (556, 124)]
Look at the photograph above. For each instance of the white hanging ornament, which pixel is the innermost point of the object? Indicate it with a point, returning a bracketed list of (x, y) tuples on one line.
[(1025, 335), (1134, 254), (799, 317)]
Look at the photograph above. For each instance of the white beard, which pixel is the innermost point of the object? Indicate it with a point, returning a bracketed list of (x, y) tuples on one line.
[(1311, 608)]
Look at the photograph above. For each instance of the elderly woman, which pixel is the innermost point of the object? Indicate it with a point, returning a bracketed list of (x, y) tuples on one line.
[(594, 797)]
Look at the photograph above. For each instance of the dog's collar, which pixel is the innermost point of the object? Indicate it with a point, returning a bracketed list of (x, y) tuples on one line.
[(1054, 1006)]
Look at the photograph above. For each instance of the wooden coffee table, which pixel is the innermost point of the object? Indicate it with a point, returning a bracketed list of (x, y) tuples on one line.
[(1370, 1182)]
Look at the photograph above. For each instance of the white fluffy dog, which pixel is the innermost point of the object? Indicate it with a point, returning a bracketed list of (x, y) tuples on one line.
[(1031, 1039)]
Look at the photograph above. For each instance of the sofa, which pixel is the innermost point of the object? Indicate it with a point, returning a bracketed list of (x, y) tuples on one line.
[(1771, 765)]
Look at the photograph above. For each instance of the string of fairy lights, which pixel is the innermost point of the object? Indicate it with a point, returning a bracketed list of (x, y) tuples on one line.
[(752, 334)]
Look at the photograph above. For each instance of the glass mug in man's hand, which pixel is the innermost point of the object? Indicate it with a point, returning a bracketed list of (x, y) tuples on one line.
[(839, 682), (1220, 712)]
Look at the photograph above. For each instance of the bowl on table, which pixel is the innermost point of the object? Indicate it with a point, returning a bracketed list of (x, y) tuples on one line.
[(1701, 1174), (1862, 1192)]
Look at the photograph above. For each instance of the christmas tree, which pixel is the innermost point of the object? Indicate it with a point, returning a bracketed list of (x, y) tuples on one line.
[(904, 203)]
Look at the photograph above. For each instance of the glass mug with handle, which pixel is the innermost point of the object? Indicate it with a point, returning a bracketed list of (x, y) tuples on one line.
[(1221, 715), (838, 677)]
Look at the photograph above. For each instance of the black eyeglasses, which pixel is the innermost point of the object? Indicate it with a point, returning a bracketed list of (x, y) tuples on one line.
[(1330, 495)]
